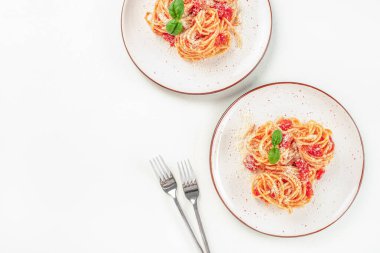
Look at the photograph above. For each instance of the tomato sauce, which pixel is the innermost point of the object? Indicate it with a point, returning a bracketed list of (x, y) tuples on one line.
[(309, 190), (319, 174), (286, 141), (224, 11), (285, 124), (249, 163), (315, 150), (256, 192), (303, 169), (196, 8), (169, 38), (221, 39)]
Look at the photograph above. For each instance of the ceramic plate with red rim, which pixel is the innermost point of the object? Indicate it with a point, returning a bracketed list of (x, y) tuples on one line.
[(161, 63), (333, 193)]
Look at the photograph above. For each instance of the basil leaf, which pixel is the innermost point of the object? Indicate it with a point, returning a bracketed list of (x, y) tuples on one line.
[(274, 155), (179, 7), (176, 9), (174, 27), (172, 12), (276, 137)]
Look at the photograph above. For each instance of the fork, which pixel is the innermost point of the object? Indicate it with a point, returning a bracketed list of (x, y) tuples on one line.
[(169, 185), (191, 190)]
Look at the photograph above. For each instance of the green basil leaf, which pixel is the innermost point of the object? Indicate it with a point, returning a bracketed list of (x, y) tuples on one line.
[(172, 12), (179, 7), (274, 155), (174, 27), (276, 137), (176, 9)]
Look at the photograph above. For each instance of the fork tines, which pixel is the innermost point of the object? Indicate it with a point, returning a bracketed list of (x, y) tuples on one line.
[(160, 168), (186, 172)]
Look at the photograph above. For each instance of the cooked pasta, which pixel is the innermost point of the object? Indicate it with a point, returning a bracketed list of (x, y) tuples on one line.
[(208, 27), (305, 150)]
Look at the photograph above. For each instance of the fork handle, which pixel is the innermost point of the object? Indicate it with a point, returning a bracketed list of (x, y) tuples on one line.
[(187, 223), (195, 205)]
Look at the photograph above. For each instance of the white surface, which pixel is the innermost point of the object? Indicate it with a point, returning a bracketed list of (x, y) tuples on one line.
[(79, 122), (164, 65), (332, 194)]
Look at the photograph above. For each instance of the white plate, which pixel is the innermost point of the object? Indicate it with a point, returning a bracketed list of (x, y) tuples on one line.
[(334, 193), (160, 63)]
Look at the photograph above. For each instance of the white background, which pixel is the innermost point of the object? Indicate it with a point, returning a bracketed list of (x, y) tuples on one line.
[(78, 123)]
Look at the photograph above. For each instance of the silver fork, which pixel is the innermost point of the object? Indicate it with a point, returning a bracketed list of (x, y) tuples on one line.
[(191, 190), (169, 185)]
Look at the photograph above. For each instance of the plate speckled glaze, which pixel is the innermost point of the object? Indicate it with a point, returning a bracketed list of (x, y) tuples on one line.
[(334, 193), (160, 63)]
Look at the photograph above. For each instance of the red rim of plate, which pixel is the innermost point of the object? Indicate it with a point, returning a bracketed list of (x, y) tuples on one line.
[(200, 93), (273, 84)]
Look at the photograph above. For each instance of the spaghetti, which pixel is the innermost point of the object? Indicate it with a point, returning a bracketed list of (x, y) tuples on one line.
[(306, 149), (208, 27)]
